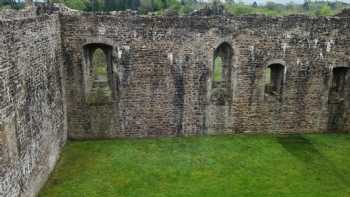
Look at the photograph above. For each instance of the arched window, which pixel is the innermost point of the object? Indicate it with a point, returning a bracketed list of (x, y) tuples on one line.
[(222, 63), (274, 79), (220, 90), (221, 75), (98, 63)]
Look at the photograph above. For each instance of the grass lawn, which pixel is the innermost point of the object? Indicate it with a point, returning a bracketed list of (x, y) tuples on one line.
[(241, 165)]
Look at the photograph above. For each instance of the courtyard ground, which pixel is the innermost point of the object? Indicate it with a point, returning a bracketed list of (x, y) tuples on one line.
[(239, 165)]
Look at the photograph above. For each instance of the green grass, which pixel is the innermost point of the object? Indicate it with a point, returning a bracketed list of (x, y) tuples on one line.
[(101, 70), (99, 60), (252, 165)]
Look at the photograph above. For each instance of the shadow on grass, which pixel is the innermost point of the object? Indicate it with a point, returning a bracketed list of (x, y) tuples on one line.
[(301, 147), (304, 150)]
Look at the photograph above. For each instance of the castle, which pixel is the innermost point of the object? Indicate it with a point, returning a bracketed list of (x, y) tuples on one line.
[(277, 75)]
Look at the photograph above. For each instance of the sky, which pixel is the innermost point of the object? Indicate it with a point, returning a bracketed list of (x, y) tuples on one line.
[(283, 1)]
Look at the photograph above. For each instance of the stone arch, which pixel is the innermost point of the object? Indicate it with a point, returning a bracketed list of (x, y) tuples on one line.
[(99, 40), (220, 90), (223, 52), (338, 97), (221, 85), (99, 89), (101, 94)]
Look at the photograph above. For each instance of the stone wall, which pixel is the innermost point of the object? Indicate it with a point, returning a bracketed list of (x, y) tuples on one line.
[(32, 128), (159, 81), (10, 14), (163, 71)]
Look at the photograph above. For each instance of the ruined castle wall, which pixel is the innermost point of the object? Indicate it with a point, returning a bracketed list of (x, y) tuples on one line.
[(160, 81), (150, 62), (163, 68), (309, 48), (32, 129), (10, 14)]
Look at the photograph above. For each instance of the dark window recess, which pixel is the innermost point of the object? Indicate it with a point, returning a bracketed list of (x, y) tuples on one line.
[(337, 98), (338, 83), (274, 79)]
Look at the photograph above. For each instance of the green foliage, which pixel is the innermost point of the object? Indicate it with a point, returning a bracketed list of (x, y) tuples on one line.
[(100, 64), (243, 9), (313, 8), (218, 69), (324, 10), (240, 165), (101, 70), (11, 4), (75, 4), (3, 7), (147, 6), (99, 96), (100, 92)]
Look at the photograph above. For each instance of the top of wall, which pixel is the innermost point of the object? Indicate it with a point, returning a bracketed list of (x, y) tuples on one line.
[(10, 14), (344, 13), (205, 13), (35, 11)]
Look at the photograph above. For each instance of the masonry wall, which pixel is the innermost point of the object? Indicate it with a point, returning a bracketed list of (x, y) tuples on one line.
[(163, 71), (160, 81), (32, 128)]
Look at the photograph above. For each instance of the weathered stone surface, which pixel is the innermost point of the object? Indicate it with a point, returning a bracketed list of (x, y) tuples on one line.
[(10, 14), (164, 72), (344, 13), (160, 81), (32, 129)]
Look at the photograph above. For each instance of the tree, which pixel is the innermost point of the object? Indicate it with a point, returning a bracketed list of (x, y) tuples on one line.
[(135, 4), (255, 4), (230, 2), (306, 5), (146, 6), (332, 5), (324, 10), (271, 5), (217, 7), (14, 4)]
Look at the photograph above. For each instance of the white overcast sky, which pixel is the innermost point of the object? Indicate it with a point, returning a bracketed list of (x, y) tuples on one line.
[(284, 1)]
